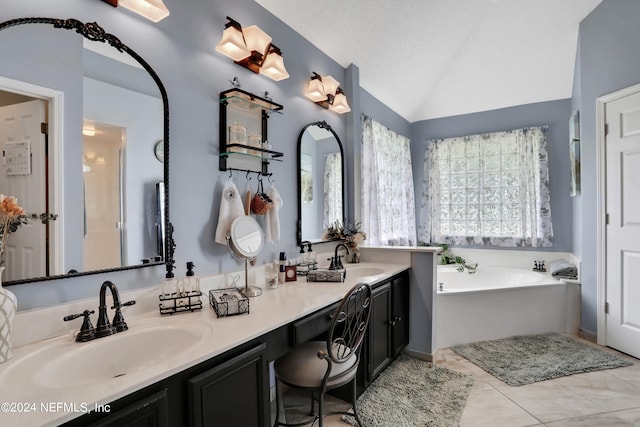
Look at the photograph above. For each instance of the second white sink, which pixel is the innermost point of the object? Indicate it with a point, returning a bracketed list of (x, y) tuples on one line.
[(64, 363), (364, 271)]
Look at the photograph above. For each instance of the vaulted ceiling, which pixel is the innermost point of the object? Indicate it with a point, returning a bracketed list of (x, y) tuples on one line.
[(436, 58)]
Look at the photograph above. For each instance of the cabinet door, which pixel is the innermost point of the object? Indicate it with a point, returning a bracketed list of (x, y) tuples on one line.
[(149, 412), (400, 314), (380, 331), (234, 393)]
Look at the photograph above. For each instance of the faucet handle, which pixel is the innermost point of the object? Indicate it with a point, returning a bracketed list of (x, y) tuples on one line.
[(87, 332), (118, 306), (118, 318)]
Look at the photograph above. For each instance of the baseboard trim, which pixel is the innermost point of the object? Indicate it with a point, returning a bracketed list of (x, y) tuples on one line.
[(419, 355), (587, 335)]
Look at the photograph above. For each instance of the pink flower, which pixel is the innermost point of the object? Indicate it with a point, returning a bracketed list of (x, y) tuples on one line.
[(9, 207)]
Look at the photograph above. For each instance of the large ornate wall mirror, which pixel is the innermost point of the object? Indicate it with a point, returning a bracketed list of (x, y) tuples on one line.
[(320, 181), (93, 118)]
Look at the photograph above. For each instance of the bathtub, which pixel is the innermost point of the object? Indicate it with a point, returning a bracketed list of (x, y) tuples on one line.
[(499, 302)]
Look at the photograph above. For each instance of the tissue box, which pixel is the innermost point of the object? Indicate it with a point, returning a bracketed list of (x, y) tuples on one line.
[(324, 275), (228, 302)]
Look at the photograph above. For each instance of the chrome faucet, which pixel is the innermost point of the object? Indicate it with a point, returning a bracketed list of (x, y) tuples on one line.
[(103, 327), (336, 261), (471, 269)]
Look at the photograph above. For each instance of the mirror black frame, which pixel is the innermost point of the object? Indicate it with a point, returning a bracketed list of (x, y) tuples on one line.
[(324, 125), (94, 32)]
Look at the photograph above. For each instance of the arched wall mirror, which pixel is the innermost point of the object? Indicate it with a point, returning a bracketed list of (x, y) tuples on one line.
[(99, 169), (320, 181)]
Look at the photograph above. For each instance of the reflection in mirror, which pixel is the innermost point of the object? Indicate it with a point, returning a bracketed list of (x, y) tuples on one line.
[(110, 196), (320, 181)]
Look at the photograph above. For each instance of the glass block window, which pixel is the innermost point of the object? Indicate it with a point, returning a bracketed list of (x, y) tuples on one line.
[(488, 189)]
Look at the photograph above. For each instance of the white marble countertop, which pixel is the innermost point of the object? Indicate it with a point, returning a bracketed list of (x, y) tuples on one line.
[(403, 248), (35, 402)]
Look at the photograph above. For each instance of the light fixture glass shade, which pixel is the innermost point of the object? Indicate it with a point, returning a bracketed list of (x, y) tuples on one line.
[(315, 91), (256, 39), (88, 131), (340, 104), (153, 10), (232, 44), (273, 67), (330, 85)]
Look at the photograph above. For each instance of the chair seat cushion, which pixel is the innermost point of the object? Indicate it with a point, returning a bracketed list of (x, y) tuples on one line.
[(302, 367)]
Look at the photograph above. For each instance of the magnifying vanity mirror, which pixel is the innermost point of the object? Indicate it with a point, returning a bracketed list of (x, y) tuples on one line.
[(320, 181), (97, 113), (245, 241)]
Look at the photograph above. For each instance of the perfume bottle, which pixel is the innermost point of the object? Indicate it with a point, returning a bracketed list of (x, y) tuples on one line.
[(282, 268)]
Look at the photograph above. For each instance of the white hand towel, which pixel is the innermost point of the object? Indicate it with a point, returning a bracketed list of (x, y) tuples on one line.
[(230, 209), (271, 218)]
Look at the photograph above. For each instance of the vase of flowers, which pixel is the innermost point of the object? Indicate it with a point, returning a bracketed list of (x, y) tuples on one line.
[(12, 216), (352, 235)]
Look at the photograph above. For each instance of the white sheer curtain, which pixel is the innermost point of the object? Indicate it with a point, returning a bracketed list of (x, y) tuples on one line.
[(488, 189), (388, 202), (332, 189)]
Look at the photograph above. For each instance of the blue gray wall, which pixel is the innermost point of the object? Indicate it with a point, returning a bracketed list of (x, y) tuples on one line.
[(608, 60)]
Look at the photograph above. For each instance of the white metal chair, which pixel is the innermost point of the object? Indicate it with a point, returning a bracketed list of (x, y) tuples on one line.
[(319, 366)]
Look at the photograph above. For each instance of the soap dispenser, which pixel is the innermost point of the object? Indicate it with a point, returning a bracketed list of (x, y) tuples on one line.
[(192, 282), (169, 285)]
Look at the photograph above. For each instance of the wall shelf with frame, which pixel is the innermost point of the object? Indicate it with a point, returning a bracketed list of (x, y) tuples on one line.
[(243, 113)]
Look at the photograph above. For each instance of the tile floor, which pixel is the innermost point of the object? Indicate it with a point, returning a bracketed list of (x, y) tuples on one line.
[(599, 399)]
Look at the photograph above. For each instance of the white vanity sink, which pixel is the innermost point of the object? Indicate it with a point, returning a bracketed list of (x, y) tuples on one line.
[(364, 270), (63, 363)]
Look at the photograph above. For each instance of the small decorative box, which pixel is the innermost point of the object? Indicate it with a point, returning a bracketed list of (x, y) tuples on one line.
[(228, 301), (180, 302), (323, 275)]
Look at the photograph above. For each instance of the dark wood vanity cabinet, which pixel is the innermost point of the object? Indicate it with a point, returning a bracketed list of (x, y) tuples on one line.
[(388, 332), (399, 314), (378, 350), (151, 411), (235, 393)]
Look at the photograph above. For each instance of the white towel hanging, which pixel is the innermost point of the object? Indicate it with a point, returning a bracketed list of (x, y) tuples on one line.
[(271, 218), (230, 209)]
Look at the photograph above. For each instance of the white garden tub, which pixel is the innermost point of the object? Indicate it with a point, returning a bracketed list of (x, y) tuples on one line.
[(499, 302)]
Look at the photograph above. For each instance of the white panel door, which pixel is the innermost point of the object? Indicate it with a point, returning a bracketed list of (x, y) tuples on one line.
[(622, 145), (26, 249), (103, 196)]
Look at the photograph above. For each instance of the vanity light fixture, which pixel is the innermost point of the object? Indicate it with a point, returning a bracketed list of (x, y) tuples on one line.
[(153, 10), (252, 48), (326, 92)]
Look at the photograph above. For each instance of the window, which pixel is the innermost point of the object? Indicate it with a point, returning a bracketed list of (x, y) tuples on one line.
[(489, 189), (332, 189), (388, 203)]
